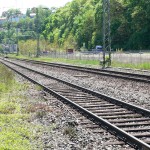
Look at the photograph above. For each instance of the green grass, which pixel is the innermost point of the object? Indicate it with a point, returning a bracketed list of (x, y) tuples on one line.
[(72, 61), (94, 63), (61, 60), (6, 79), (143, 66), (16, 132)]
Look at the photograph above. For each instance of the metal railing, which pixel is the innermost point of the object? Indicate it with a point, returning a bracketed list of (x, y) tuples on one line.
[(122, 57)]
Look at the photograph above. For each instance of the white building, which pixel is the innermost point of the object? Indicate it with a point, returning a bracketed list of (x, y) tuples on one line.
[(15, 18), (3, 20)]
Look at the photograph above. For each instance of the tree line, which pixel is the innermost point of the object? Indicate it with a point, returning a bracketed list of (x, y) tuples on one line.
[(79, 23)]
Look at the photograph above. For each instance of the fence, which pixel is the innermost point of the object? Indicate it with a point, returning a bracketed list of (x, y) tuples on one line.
[(124, 57), (9, 48)]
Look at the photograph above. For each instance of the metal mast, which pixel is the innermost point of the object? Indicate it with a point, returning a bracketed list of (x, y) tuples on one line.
[(106, 34), (38, 34)]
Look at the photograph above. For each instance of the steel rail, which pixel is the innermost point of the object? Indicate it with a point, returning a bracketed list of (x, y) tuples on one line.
[(111, 73), (115, 101), (131, 140)]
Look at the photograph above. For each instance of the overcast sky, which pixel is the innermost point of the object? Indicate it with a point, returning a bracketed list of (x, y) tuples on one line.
[(23, 4)]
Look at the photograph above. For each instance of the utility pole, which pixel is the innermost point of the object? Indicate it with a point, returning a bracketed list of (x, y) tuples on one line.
[(17, 30), (106, 33), (8, 34), (37, 31), (17, 43), (38, 34)]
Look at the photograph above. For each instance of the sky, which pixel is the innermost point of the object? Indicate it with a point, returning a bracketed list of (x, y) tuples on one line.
[(24, 4)]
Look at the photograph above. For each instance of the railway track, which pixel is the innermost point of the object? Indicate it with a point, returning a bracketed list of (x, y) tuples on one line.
[(117, 74), (127, 122)]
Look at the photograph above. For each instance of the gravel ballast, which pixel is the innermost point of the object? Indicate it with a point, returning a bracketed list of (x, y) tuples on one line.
[(59, 129), (133, 92)]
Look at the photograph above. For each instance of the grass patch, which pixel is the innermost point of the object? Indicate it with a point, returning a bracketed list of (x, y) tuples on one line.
[(94, 63), (60, 60), (6, 79), (16, 132), (71, 61), (8, 107), (143, 66)]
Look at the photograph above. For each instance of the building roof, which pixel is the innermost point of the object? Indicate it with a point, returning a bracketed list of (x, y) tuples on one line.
[(3, 18), (32, 15)]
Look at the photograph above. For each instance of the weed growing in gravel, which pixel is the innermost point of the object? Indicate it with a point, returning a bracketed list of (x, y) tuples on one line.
[(70, 131), (40, 114), (39, 88)]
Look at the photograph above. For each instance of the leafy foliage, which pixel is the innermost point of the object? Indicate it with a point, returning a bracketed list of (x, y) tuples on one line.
[(80, 21)]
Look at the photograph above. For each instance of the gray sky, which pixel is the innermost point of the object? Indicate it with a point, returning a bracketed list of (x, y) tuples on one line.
[(23, 4)]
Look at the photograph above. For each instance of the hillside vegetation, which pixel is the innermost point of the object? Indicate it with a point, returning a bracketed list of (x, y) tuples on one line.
[(79, 23)]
